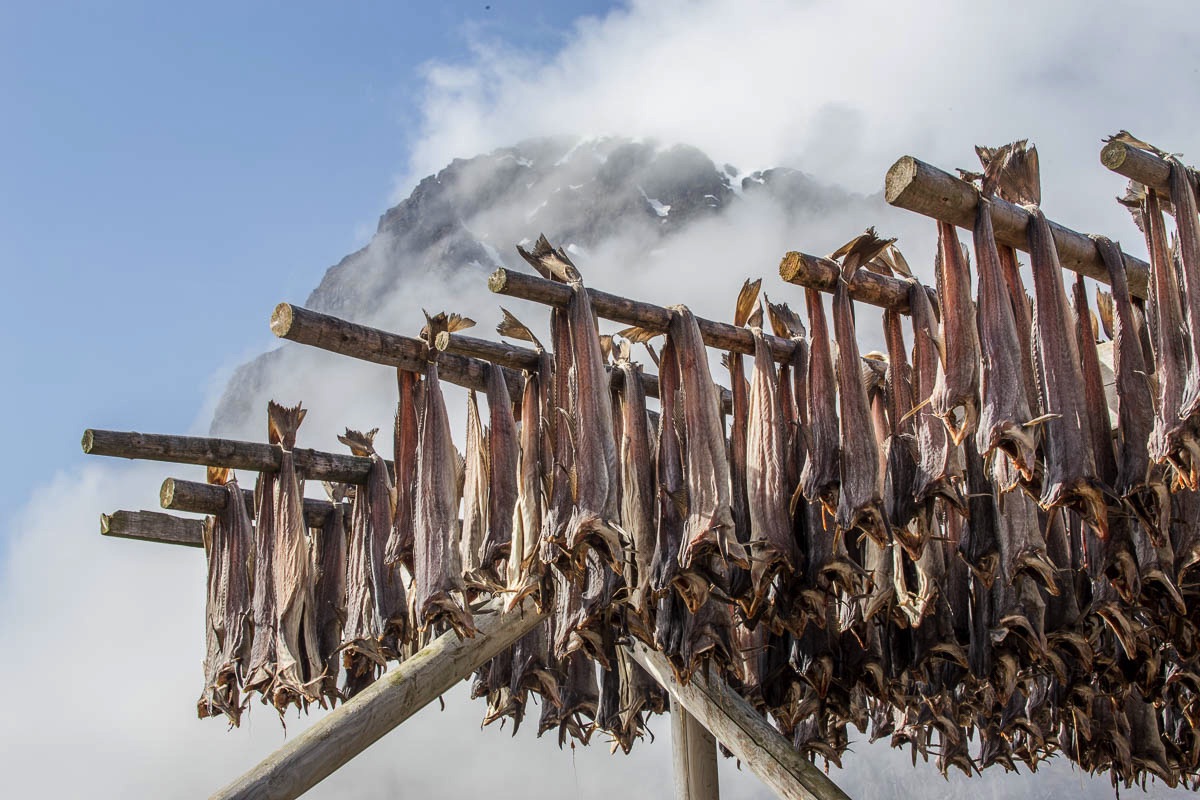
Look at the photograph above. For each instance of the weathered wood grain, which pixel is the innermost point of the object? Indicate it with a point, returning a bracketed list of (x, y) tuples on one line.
[(177, 494), (693, 757), (403, 690), (916, 186), (736, 724), (818, 272), (1137, 164), (153, 526)]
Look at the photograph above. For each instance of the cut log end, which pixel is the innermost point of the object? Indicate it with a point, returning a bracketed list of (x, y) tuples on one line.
[(166, 493), (89, 440), (498, 280), (281, 320), (1113, 154), (442, 341), (106, 522), (899, 178)]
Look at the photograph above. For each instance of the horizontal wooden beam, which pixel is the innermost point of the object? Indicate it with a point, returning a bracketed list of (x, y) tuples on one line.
[(212, 452), (177, 494), (916, 186), (153, 526), (525, 358), (719, 335), (363, 342), (744, 732), (818, 272), (1137, 164), (402, 691)]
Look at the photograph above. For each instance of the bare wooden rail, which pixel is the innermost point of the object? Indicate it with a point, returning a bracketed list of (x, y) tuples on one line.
[(403, 690), (720, 335), (204, 498), (818, 272), (1140, 165), (916, 186), (211, 452), (153, 526), (736, 724), (524, 358), (363, 342)]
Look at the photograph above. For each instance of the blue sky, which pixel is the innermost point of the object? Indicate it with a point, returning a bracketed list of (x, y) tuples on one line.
[(171, 171)]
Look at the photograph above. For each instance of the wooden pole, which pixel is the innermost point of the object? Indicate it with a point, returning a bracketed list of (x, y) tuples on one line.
[(821, 273), (736, 724), (153, 526), (916, 186), (1137, 164), (524, 358), (401, 692), (719, 335), (204, 498), (693, 757), (312, 464), (336, 335)]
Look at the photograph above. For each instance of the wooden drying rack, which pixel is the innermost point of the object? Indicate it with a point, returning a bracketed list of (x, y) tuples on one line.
[(704, 711)]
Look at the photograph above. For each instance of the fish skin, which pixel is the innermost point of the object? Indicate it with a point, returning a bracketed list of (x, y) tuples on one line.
[(476, 478), (363, 632), (739, 501), (260, 673), (957, 384), (1135, 477), (1187, 225), (935, 471), (559, 454), (439, 576), (1093, 388), (523, 563), (1004, 412), (899, 445), (229, 543), (820, 477), (637, 489), (504, 448), (597, 486), (1070, 475), (298, 662), (772, 548), (860, 499), (329, 560), (708, 523), (399, 547)]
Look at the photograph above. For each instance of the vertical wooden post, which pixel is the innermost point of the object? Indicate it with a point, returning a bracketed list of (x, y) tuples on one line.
[(693, 757)]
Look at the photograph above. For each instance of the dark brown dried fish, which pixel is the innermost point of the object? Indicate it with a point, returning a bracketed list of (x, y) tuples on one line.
[(860, 500), (955, 397), (297, 653), (504, 450), (228, 545), (439, 577), (329, 561), (637, 488), (399, 548), (935, 468), (1187, 224), (363, 632), (820, 476), (1005, 412), (772, 549), (260, 674), (523, 563), (708, 526)]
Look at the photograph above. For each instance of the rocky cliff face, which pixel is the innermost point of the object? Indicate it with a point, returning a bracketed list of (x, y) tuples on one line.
[(460, 224)]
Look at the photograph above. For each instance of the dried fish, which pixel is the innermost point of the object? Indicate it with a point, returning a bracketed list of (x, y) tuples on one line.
[(1187, 224), (708, 525), (260, 674), (819, 480), (935, 467), (523, 565), (476, 478), (329, 563), (298, 656), (955, 396), (399, 547), (439, 576), (504, 449), (637, 488), (228, 543)]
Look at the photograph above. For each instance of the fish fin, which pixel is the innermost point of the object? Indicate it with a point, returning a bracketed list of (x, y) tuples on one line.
[(785, 323), (746, 300), (219, 476), (756, 318), (1017, 176), (283, 422), (513, 328), (360, 444), (457, 322), (550, 262), (1104, 304), (860, 250), (639, 335), (606, 347)]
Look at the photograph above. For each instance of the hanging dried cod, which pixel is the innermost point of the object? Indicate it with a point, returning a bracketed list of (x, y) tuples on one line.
[(637, 486), (955, 396), (504, 448), (439, 578), (329, 563), (298, 656), (936, 470), (819, 478), (260, 674), (739, 422), (475, 494), (228, 544), (399, 549), (860, 501)]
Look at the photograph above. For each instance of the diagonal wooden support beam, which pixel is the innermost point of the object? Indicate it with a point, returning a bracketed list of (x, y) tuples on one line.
[(719, 335), (818, 272), (212, 452), (402, 691), (916, 186), (736, 724), (365, 343), (153, 526)]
